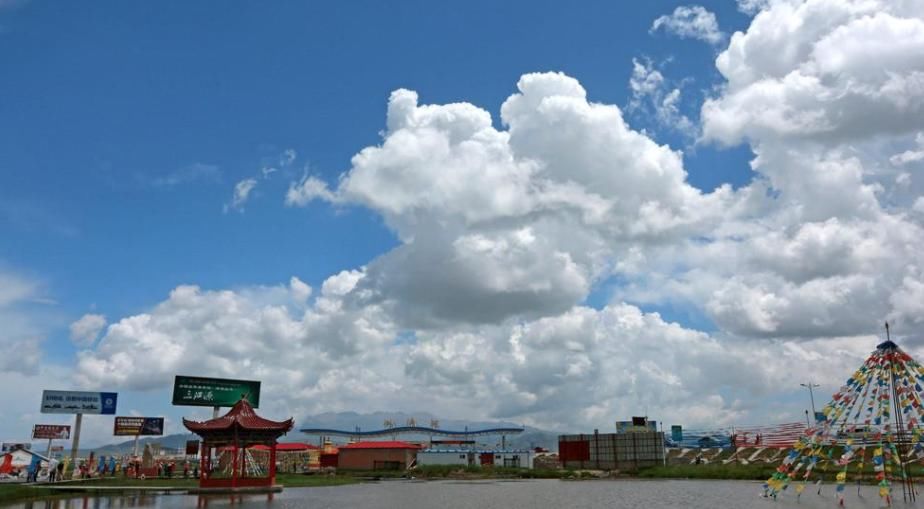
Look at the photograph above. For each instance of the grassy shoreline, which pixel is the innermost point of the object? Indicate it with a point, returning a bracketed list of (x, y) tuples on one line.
[(718, 472), (12, 493)]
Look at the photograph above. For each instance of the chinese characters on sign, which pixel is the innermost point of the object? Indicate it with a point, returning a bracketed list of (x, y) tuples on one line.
[(51, 432), (138, 426), (214, 392), (76, 402)]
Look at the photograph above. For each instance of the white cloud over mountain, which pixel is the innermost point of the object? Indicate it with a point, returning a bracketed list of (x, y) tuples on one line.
[(504, 232)]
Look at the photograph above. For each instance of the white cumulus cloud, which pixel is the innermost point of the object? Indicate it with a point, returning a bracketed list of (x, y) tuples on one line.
[(504, 230), (520, 221), (652, 94), (690, 22), (85, 330)]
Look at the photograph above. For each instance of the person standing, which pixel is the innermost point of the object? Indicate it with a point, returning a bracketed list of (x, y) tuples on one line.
[(52, 470), (33, 469)]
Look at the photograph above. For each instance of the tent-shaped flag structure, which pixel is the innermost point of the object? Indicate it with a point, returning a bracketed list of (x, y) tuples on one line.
[(871, 429)]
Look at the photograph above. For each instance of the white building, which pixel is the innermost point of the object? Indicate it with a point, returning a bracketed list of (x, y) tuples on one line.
[(468, 458), (17, 461)]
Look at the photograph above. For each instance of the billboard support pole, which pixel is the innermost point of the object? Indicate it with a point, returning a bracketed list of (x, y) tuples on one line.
[(215, 412), (75, 444), (49, 449), (135, 449)]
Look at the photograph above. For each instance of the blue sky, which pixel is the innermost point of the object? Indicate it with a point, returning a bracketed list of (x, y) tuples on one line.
[(103, 101), (126, 128)]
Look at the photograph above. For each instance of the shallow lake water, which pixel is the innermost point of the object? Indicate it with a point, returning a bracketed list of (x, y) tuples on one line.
[(608, 494)]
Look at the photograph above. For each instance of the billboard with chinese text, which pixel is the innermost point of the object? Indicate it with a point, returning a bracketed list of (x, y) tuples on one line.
[(51, 432), (79, 402), (138, 426), (214, 392)]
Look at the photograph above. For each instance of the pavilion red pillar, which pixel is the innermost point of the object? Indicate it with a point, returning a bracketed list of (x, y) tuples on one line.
[(202, 461), (272, 464), (234, 467)]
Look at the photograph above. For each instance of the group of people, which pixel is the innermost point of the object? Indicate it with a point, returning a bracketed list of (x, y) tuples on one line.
[(167, 469), (54, 470), (163, 468)]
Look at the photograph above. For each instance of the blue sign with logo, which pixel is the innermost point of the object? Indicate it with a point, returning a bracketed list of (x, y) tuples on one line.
[(79, 402), (108, 400)]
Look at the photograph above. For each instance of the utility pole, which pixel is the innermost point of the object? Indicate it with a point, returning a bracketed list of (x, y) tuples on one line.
[(810, 386)]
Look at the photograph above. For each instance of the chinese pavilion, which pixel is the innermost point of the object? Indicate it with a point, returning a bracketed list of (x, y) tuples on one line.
[(233, 433)]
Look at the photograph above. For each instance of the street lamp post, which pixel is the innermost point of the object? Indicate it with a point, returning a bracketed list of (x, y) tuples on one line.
[(810, 386)]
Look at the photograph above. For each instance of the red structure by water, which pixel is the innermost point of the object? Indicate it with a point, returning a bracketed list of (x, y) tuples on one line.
[(235, 431)]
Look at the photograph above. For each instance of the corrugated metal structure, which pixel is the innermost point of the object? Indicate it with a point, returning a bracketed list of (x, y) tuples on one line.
[(466, 457), (611, 451)]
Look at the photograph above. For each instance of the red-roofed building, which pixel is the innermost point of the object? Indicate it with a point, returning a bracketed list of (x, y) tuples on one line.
[(392, 455), (238, 429)]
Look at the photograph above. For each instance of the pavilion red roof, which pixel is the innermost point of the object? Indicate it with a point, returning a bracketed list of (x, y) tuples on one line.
[(381, 445), (242, 416)]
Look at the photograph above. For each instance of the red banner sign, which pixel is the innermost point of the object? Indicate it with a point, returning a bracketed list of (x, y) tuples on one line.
[(51, 432)]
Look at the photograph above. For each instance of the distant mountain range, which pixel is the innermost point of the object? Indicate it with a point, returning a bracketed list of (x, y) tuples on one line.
[(532, 437)]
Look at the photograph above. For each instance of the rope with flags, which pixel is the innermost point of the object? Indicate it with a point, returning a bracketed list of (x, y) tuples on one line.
[(875, 415)]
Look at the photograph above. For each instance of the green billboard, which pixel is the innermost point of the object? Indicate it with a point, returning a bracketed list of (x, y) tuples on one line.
[(214, 392)]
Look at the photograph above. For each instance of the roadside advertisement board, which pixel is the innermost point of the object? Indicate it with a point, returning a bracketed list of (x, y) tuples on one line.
[(214, 392), (51, 432), (78, 402), (138, 426), (677, 433)]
